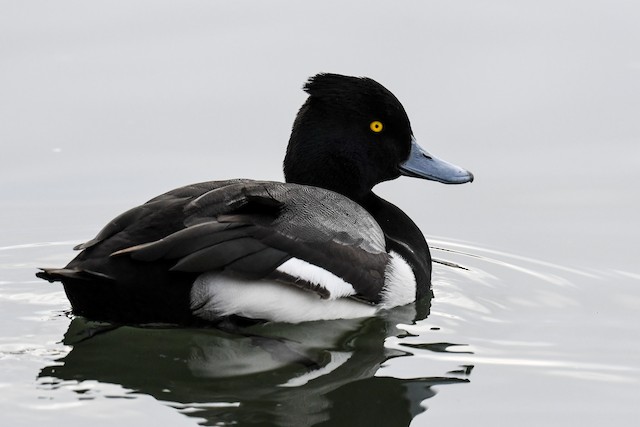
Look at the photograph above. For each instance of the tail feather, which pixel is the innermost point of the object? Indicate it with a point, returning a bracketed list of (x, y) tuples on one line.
[(62, 274)]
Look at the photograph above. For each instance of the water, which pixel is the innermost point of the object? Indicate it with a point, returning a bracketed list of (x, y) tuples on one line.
[(535, 315), (504, 336)]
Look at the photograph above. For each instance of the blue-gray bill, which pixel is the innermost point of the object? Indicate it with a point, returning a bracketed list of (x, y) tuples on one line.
[(421, 164)]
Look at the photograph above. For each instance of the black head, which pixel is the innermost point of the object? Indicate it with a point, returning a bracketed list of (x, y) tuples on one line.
[(350, 134)]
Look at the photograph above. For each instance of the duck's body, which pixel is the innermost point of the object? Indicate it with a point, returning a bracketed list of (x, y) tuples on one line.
[(321, 246)]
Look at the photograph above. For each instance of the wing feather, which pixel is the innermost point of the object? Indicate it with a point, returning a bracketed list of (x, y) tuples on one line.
[(248, 228)]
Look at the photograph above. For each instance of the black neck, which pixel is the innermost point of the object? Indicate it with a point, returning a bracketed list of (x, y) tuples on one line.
[(404, 237)]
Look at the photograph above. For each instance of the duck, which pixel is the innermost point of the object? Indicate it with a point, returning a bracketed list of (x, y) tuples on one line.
[(321, 245)]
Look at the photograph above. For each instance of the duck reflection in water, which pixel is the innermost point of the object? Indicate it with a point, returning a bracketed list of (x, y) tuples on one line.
[(310, 374)]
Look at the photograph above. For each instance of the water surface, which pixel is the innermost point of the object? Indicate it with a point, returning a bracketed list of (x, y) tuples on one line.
[(503, 331)]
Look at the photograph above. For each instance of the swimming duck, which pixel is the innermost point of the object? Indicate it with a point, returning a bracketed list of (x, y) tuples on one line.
[(320, 246)]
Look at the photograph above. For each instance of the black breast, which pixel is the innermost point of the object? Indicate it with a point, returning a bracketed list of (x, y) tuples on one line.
[(404, 237)]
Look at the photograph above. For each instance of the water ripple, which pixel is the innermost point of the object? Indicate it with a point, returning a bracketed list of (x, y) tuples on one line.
[(39, 245), (500, 258)]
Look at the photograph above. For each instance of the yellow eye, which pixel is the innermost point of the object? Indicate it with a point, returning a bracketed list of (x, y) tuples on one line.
[(376, 126)]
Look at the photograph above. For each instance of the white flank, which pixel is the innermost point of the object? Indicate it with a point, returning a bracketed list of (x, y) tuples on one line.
[(214, 295), (300, 269), (399, 283)]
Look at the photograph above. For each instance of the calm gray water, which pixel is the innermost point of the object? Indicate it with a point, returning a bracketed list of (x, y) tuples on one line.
[(106, 105)]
